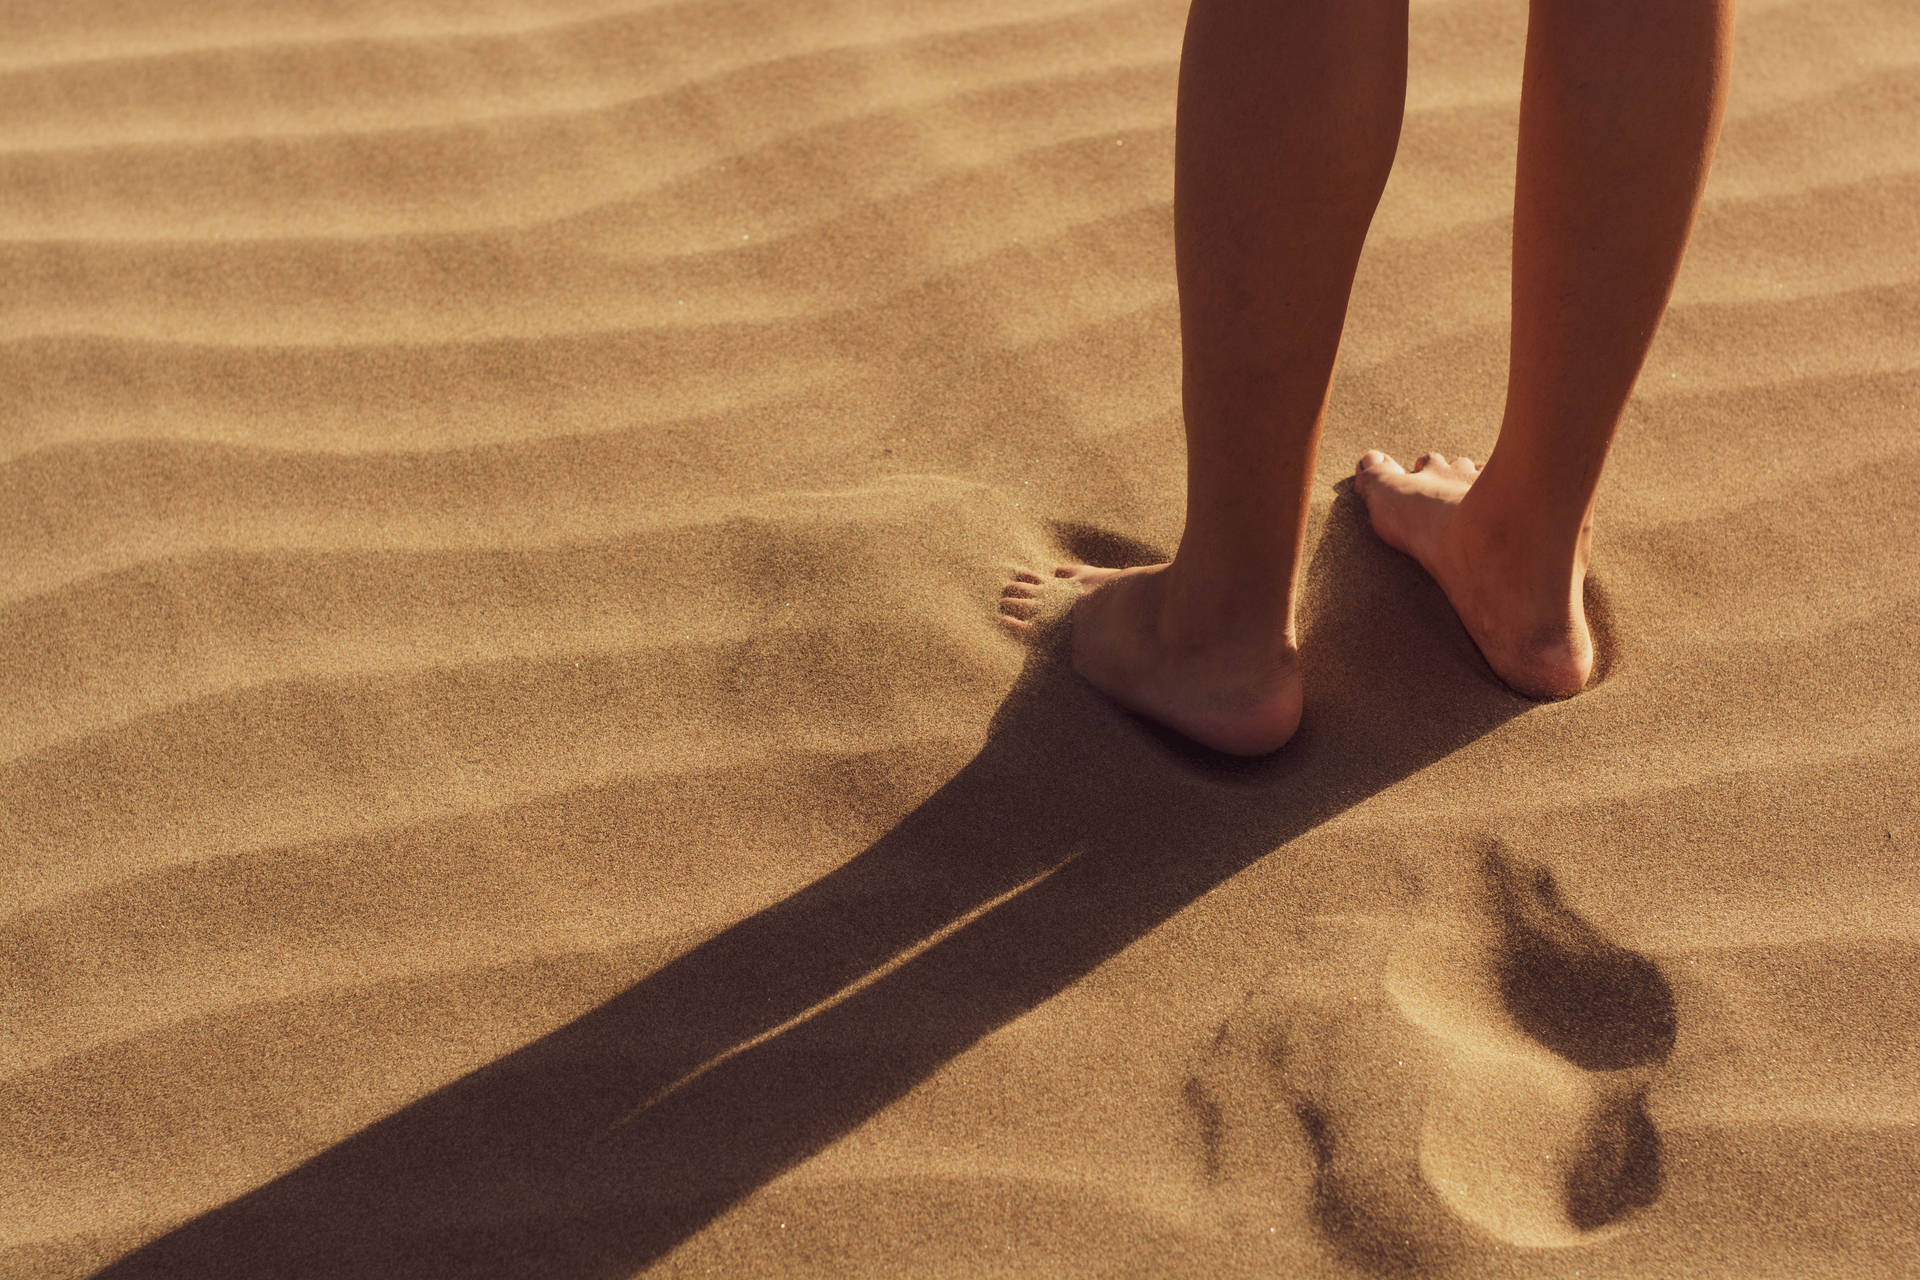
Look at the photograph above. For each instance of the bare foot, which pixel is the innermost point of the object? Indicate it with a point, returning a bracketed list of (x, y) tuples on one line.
[(1523, 611), (1237, 693)]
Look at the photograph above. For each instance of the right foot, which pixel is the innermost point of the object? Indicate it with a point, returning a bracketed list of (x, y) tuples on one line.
[(1240, 694), (1526, 617)]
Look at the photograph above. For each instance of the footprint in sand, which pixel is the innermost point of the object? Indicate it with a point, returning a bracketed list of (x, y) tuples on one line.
[(1484, 1064)]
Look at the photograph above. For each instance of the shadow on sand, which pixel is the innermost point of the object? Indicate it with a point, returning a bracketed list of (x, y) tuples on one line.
[(1076, 830)]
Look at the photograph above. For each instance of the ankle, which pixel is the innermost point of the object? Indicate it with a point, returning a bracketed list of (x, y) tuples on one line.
[(1545, 566), (1511, 509), (1211, 611)]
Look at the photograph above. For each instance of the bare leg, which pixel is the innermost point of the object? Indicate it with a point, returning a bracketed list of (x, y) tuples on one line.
[(1289, 114), (1619, 112)]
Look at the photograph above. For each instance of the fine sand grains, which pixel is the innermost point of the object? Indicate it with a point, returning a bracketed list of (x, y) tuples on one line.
[(507, 766)]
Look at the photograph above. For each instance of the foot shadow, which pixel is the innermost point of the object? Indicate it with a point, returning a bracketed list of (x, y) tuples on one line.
[(600, 1147), (1091, 544)]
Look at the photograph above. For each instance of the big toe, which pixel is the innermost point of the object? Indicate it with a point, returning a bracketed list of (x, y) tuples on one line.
[(1375, 463)]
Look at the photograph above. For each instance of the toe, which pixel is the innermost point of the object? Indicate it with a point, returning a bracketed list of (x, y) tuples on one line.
[(1019, 626), (1466, 464), (1374, 463), (1020, 591), (1027, 575), (1426, 460), (1022, 609), (1375, 468)]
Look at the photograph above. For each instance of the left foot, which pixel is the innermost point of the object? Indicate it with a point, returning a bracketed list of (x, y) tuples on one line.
[(1237, 693)]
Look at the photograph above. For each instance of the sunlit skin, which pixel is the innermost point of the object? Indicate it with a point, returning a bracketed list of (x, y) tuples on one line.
[(1288, 118)]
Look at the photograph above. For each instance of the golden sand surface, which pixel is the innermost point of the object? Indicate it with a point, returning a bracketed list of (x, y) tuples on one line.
[(509, 767)]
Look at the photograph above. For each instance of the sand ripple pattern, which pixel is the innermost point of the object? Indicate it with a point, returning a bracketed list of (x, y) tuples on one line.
[(494, 496)]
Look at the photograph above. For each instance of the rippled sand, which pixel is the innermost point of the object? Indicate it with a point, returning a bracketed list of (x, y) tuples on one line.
[(509, 767)]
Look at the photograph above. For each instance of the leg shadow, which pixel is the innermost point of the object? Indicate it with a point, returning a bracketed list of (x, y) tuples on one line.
[(600, 1147)]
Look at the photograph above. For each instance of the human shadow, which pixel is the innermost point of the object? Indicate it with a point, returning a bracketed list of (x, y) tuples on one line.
[(1076, 830)]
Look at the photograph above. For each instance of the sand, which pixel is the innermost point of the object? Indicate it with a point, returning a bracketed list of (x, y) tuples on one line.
[(509, 768)]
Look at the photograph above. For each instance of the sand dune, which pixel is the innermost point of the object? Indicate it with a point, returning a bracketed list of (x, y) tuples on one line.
[(508, 767)]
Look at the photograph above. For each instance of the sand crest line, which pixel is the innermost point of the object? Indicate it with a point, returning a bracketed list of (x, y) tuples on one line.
[(898, 960)]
